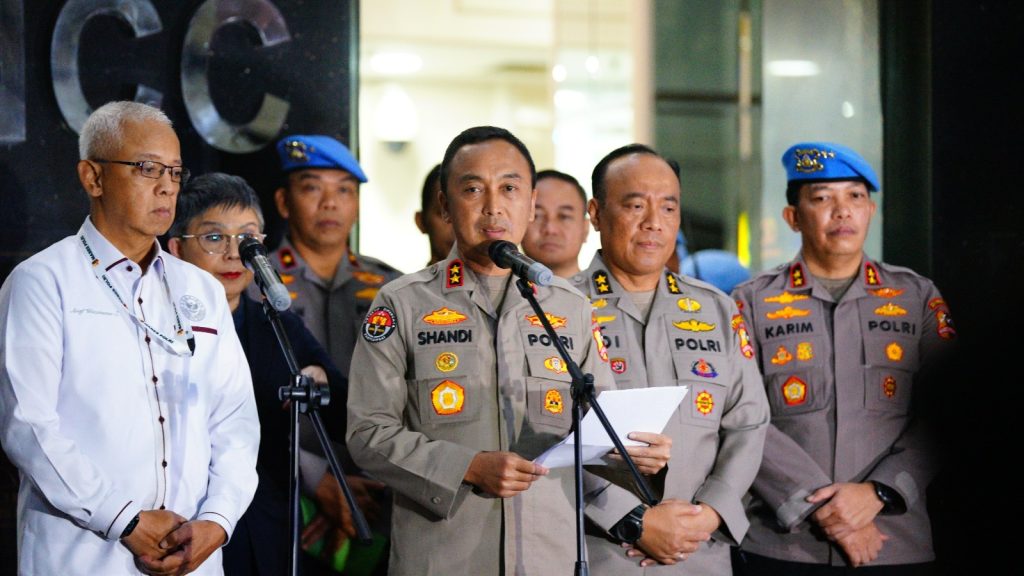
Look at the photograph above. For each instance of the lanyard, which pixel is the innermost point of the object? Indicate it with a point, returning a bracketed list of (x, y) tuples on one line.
[(182, 343)]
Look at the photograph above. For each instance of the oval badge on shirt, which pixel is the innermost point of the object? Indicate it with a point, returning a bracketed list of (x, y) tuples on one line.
[(192, 308)]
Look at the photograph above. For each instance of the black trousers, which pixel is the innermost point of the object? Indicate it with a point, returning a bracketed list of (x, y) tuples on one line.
[(747, 564)]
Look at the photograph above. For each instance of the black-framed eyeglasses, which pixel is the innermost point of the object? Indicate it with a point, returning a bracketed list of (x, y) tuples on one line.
[(219, 243), (153, 169)]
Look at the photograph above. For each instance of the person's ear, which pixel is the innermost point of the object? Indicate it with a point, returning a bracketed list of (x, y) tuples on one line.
[(90, 175)]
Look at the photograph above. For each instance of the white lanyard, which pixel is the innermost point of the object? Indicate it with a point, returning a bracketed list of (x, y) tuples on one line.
[(183, 342)]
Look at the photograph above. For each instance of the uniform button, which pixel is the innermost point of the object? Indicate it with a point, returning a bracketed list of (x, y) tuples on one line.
[(140, 299), (164, 463), (161, 419), (129, 268), (162, 507), (147, 340), (154, 379), (436, 499)]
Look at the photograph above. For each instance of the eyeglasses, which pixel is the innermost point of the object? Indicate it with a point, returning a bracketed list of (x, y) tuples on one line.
[(217, 243), (153, 169)]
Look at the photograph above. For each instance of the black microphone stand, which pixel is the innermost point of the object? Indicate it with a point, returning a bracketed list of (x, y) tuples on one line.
[(582, 390), (307, 397)]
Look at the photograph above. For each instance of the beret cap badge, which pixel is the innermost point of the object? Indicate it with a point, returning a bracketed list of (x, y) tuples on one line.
[(808, 160), (297, 151)]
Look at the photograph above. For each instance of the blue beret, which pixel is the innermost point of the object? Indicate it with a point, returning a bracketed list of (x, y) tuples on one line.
[(824, 161), (298, 152)]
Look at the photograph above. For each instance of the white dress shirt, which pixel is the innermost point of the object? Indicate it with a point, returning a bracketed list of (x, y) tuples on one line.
[(105, 417)]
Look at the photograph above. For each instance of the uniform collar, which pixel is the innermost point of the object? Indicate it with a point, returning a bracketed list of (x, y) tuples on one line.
[(597, 275), (107, 255), (291, 262), (799, 279)]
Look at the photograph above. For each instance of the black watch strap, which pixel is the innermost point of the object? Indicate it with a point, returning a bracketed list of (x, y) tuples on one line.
[(130, 527), (631, 526), (892, 503)]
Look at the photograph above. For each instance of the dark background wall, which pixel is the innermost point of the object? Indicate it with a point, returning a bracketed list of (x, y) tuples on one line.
[(257, 49), (240, 74), (953, 116)]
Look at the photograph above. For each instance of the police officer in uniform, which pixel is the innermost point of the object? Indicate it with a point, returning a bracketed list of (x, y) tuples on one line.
[(456, 387), (841, 340), (661, 329), (331, 285)]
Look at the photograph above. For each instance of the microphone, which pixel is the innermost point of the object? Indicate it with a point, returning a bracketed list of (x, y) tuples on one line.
[(254, 256), (506, 255)]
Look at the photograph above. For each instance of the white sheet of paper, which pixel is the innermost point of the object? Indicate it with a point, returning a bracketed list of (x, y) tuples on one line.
[(636, 410)]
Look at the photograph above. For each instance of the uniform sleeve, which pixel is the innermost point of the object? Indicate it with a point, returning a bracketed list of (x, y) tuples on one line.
[(31, 360), (787, 474), (741, 436), (428, 471), (234, 432), (908, 467)]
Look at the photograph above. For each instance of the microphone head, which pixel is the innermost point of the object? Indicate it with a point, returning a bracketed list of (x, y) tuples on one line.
[(497, 250), (249, 249), (278, 297)]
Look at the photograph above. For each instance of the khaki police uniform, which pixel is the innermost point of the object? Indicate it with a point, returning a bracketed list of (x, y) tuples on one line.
[(331, 309), (440, 375), (840, 377), (692, 337)]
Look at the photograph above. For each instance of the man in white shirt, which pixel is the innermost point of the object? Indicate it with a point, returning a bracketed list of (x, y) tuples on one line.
[(125, 399)]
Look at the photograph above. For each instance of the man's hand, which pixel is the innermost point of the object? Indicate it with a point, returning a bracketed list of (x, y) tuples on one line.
[(320, 527), (317, 373), (862, 546), (674, 529), (502, 474), (849, 507), (331, 501), (649, 459), (188, 546), (152, 527)]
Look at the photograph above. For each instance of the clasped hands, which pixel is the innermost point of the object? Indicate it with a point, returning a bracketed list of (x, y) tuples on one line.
[(847, 518), (164, 543)]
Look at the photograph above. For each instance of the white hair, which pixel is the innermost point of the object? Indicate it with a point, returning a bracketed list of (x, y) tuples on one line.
[(103, 130)]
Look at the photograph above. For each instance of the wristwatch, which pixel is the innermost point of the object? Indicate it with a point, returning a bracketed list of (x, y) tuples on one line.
[(892, 502), (130, 527), (631, 527)]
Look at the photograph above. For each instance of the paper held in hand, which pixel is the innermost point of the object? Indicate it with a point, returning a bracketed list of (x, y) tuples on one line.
[(636, 410)]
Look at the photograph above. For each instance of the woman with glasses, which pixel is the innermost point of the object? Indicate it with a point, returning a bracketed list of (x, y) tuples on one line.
[(214, 213)]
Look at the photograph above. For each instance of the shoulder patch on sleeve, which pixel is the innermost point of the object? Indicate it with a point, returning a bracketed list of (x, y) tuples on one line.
[(379, 324)]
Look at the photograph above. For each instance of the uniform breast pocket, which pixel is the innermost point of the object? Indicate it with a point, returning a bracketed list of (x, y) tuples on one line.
[(704, 403), (442, 402), (795, 392), (548, 405), (887, 389), (895, 351)]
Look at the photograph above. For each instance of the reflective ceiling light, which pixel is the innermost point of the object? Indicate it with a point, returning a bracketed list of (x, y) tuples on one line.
[(847, 109), (569, 98), (558, 73), (793, 68), (592, 65), (396, 63)]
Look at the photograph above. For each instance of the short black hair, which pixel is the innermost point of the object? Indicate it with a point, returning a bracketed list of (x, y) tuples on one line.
[(201, 193), (567, 179), (597, 183), (479, 134), (427, 198)]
